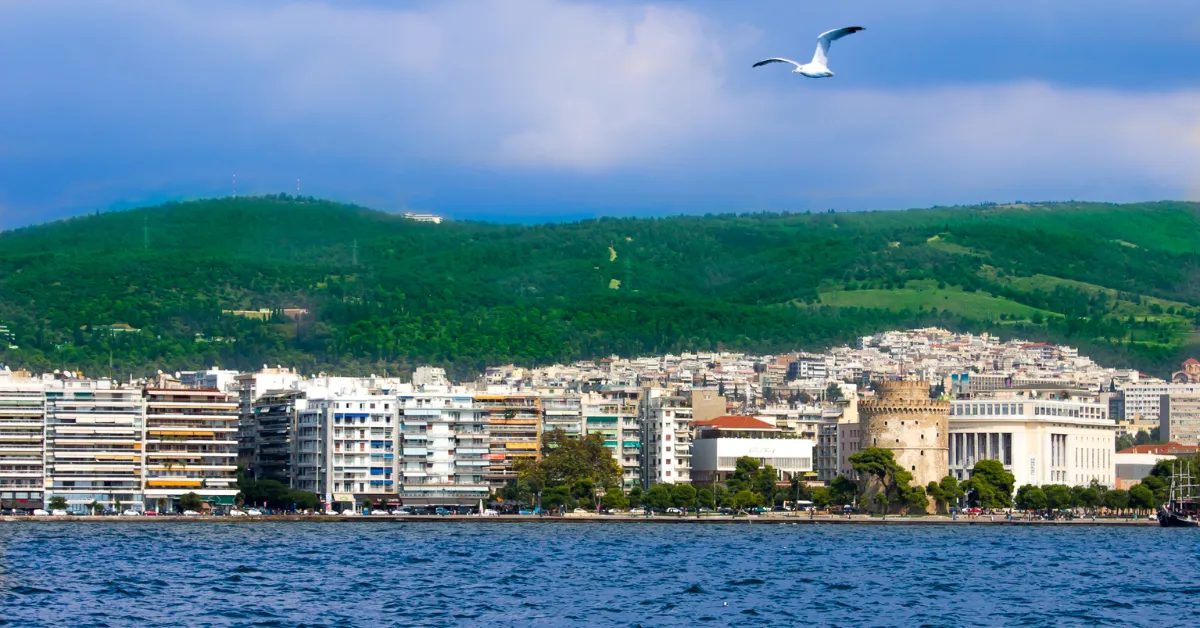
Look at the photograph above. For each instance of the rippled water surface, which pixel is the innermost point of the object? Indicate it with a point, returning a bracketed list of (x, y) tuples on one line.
[(453, 574)]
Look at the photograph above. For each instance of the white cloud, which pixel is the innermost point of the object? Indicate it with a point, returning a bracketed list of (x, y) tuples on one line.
[(570, 88)]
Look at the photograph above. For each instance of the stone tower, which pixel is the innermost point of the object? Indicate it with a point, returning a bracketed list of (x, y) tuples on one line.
[(905, 420)]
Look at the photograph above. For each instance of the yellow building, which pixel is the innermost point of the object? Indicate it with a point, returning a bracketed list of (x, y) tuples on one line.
[(514, 424)]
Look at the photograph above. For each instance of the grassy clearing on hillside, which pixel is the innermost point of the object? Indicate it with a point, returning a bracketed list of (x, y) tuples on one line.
[(1047, 283), (925, 294), (936, 242)]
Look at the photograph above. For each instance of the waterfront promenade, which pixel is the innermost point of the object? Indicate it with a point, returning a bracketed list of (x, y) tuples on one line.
[(601, 519)]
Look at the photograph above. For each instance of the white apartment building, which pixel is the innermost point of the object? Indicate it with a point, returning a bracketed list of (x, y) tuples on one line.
[(94, 434), (1179, 421), (190, 446), (443, 447), (310, 461), (667, 439), (1142, 401), (1040, 441), (562, 410), (345, 445), (22, 438), (721, 441)]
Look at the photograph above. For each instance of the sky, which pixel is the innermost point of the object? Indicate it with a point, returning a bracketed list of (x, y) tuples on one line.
[(531, 110)]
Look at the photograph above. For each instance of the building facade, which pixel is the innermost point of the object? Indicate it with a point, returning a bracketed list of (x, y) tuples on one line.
[(1179, 419), (1040, 441), (94, 445), (721, 441), (666, 446), (514, 427), (615, 413), (444, 449), (190, 447), (22, 442)]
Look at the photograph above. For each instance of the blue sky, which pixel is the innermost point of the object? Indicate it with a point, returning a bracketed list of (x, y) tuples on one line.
[(555, 109)]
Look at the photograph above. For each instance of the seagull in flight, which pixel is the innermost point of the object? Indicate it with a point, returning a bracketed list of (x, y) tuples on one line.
[(816, 68)]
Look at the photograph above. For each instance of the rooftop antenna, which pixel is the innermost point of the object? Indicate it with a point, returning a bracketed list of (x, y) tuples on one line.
[(297, 187), (235, 186)]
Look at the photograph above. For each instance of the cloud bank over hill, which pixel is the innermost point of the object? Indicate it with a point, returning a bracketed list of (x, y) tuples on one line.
[(550, 108)]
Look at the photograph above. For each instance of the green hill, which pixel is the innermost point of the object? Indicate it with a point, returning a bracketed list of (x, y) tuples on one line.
[(1122, 282)]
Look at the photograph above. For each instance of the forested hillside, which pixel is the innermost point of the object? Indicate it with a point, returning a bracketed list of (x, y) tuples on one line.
[(1122, 282)]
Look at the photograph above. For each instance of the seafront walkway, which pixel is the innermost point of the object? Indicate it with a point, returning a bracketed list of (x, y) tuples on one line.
[(766, 519)]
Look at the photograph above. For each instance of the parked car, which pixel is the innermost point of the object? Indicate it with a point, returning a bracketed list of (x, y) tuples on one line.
[(674, 511), (331, 512), (579, 511), (58, 512), (441, 511), (131, 513), (236, 513), (254, 512), (637, 511), (40, 513), (348, 513), (150, 513), (191, 513), (523, 511), (490, 513)]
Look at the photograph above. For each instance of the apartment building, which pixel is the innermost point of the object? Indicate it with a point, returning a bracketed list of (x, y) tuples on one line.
[(826, 464), (721, 441), (1039, 441), (1179, 419), (614, 412), (562, 410), (310, 460), (22, 441), (94, 435), (444, 448), (190, 446), (362, 448), (667, 437), (1143, 400), (249, 387), (514, 424), (272, 432)]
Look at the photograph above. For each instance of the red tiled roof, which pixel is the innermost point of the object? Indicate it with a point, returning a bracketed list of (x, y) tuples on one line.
[(731, 422), (1190, 361), (1161, 449)]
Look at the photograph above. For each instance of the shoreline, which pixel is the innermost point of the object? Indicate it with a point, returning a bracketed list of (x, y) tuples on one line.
[(592, 519)]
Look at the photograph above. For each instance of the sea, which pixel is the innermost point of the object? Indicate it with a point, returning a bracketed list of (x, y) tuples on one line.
[(537, 574)]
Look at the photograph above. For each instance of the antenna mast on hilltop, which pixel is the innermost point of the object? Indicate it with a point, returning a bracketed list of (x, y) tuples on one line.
[(235, 186), (297, 187)]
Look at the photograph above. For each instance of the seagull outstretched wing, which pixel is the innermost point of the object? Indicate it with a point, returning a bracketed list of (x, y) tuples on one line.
[(828, 37), (776, 60)]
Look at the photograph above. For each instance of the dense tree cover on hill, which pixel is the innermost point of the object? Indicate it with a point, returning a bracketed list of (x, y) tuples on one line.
[(1122, 282)]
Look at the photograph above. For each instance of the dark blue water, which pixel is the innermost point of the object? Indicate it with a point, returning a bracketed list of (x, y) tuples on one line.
[(455, 574)]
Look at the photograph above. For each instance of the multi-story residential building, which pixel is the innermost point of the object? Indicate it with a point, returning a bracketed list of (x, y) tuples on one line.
[(248, 387), (826, 464), (310, 459), (514, 423), (667, 438), (721, 441), (444, 449), (613, 411), (1040, 441), (1142, 400), (272, 436), (190, 446), (562, 410), (362, 448), (94, 435), (22, 439), (1179, 419)]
